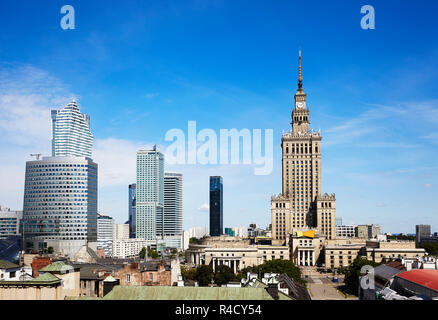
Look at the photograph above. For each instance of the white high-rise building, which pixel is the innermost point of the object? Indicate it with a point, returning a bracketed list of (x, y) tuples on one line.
[(149, 193), (71, 135), (198, 232), (169, 227), (105, 226), (60, 204), (121, 231)]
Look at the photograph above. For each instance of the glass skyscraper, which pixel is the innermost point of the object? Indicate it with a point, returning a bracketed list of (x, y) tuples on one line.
[(216, 206), (71, 135), (131, 209), (149, 193), (170, 226), (60, 204)]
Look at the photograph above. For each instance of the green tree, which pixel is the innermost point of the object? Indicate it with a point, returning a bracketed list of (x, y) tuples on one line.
[(194, 240), (275, 266), (188, 274), (50, 250), (400, 237), (204, 275), (352, 274), (142, 253), (152, 253), (223, 274), (430, 247), (239, 276), (282, 266)]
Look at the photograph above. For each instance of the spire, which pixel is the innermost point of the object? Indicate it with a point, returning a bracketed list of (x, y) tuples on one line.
[(300, 76)]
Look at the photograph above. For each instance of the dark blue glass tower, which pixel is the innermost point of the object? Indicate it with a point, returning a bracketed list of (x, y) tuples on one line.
[(216, 206), (132, 199)]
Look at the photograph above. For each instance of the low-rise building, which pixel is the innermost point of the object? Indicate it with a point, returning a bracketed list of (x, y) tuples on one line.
[(346, 231), (341, 254), (233, 252), (10, 271), (379, 251), (44, 287), (306, 248), (54, 282), (128, 248), (191, 293)]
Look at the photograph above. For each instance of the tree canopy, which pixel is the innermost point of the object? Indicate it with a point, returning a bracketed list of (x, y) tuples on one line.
[(152, 253), (204, 275), (277, 266), (430, 247), (142, 253), (352, 274), (223, 274)]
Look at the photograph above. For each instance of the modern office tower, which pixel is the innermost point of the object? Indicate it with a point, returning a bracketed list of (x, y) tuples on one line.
[(300, 206), (422, 231), (105, 225), (71, 135), (169, 227), (131, 210), (149, 193), (60, 204), (10, 222), (216, 206)]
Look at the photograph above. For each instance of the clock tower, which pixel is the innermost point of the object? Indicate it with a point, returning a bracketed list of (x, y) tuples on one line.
[(300, 112)]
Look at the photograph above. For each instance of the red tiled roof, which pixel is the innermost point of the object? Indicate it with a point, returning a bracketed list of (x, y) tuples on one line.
[(424, 277)]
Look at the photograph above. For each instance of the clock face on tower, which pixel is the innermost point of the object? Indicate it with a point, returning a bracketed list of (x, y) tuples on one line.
[(300, 105)]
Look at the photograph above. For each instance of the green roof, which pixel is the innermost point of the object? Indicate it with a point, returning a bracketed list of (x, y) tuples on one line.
[(43, 279), (187, 293), (109, 279), (58, 266), (47, 278), (8, 265)]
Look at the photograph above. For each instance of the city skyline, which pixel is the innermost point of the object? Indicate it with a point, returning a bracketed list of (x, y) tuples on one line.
[(374, 100)]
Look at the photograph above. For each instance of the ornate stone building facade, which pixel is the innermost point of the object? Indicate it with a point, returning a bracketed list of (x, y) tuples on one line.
[(301, 206)]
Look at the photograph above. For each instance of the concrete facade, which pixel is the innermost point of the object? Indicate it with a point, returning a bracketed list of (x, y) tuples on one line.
[(233, 252), (298, 207)]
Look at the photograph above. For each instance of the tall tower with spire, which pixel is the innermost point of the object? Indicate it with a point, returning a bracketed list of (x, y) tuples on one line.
[(300, 112), (296, 207)]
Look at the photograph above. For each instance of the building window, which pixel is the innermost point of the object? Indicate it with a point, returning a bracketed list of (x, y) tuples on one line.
[(12, 274), (128, 278)]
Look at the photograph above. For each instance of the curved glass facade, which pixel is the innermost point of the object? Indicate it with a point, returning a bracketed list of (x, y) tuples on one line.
[(60, 203), (71, 135)]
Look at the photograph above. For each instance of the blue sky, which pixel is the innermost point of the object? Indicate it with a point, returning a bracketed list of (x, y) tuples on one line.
[(140, 68)]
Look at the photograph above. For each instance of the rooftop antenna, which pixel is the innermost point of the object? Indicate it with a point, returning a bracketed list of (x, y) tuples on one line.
[(37, 155)]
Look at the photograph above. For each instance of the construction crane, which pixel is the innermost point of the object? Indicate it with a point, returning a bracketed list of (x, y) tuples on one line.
[(37, 155)]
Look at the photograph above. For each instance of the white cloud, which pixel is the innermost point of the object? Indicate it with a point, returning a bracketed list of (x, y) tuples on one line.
[(26, 96), (428, 185), (151, 95), (204, 207), (117, 160)]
